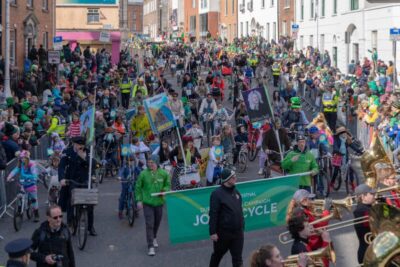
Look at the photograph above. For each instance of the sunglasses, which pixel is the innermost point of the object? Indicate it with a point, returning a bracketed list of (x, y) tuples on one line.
[(57, 217)]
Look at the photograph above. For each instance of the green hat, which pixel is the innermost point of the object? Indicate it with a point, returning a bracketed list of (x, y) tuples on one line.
[(10, 101), (295, 102), (23, 118), (25, 106)]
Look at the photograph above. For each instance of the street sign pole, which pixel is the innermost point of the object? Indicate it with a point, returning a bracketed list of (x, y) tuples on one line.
[(394, 63)]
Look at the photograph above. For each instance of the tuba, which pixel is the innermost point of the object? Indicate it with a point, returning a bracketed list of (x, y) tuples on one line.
[(376, 154), (384, 250)]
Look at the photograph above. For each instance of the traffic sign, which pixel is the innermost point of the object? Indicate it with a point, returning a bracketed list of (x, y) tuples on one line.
[(295, 27), (57, 42), (105, 37), (394, 34), (53, 56)]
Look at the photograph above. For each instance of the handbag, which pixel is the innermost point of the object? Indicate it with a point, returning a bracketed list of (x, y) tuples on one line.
[(337, 160)]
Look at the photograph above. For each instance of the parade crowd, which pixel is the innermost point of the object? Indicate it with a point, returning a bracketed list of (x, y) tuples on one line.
[(249, 97)]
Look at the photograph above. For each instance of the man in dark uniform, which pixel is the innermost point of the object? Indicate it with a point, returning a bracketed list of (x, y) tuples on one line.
[(365, 197), (74, 166), (226, 224), (19, 252)]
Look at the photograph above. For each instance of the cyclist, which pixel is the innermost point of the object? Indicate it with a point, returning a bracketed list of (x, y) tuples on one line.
[(294, 118), (125, 173), (301, 160), (28, 176), (139, 149), (270, 146), (140, 86), (241, 139), (207, 111), (215, 157), (140, 125), (341, 141)]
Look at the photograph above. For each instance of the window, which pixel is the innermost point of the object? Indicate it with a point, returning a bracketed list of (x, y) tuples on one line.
[(13, 2), (322, 43), (194, 3), (192, 24), (322, 8), (93, 16), (284, 33), (134, 27), (247, 28), (301, 42), (262, 3), (301, 9), (45, 41), (272, 3), (133, 15), (374, 39), (204, 22), (353, 4), (334, 7), (45, 4), (29, 3), (311, 40), (234, 30), (226, 7), (241, 29), (13, 47), (312, 9), (287, 3), (233, 7), (274, 31), (267, 33)]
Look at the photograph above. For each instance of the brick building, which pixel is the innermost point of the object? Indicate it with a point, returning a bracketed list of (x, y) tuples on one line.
[(31, 23), (191, 20), (151, 22), (286, 17), (228, 19), (135, 16)]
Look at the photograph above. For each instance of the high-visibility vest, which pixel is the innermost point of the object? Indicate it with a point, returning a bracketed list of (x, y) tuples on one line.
[(276, 70), (330, 102), (126, 86)]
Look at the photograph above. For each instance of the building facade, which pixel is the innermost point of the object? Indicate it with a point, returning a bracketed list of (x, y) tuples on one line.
[(347, 29), (86, 22), (209, 11), (177, 18), (151, 21), (258, 18), (31, 23), (228, 19), (135, 16), (286, 17), (191, 20)]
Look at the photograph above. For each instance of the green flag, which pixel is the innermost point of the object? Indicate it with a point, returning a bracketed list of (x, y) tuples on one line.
[(264, 205)]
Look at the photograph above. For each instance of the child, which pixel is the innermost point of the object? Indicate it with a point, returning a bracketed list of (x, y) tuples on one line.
[(74, 128), (139, 149), (54, 184), (196, 133), (125, 174), (215, 156), (28, 176), (221, 117)]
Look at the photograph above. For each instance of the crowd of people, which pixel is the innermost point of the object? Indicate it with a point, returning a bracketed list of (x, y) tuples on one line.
[(214, 119)]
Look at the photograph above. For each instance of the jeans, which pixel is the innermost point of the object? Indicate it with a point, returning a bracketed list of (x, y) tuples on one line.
[(152, 216), (209, 126), (125, 100), (228, 241), (123, 195)]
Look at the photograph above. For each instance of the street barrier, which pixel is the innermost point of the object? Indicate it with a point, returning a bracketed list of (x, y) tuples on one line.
[(9, 190)]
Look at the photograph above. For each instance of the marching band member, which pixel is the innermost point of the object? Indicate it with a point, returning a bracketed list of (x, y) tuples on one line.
[(387, 178), (365, 199), (269, 256)]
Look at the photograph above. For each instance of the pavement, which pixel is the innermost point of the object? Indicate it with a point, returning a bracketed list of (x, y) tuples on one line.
[(118, 244)]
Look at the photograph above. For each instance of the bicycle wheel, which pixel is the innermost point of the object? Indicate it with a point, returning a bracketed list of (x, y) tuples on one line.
[(253, 151), (75, 215), (267, 170), (18, 214), (101, 174), (82, 229), (337, 179), (130, 209), (29, 210), (242, 162)]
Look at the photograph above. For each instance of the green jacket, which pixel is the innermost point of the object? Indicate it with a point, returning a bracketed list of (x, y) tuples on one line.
[(149, 183), (305, 163)]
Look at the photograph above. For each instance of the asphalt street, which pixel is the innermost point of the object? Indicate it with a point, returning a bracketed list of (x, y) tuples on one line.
[(117, 244)]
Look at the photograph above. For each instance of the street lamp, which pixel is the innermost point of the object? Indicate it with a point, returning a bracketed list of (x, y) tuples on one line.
[(160, 6)]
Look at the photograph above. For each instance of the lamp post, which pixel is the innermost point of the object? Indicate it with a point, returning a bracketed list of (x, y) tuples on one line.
[(7, 88), (316, 18), (160, 6)]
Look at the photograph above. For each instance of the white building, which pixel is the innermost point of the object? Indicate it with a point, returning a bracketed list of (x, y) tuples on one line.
[(347, 29), (258, 17)]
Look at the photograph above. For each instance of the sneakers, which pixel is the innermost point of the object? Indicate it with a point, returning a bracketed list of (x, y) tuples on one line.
[(260, 172), (36, 216), (151, 252), (155, 244)]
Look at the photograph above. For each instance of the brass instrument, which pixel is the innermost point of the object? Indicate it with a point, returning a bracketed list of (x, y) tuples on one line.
[(385, 228), (376, 154), (338, 206), (315, 258)]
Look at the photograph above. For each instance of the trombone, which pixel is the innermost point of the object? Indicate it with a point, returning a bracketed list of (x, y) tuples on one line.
[(338, 205), (315, 258)]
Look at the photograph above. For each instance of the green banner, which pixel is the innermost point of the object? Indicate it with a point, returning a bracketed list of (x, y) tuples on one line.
[(264, 205)]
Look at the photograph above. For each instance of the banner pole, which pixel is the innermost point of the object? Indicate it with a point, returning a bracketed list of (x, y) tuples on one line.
[(246, 182), (92, 142), (181, 145)]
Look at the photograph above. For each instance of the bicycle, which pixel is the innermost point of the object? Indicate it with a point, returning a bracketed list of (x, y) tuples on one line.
[(81, 200), (254, 134), (270, 165), (23, 204), (347, 174), (323, 179), (129, 201), (242, 158)]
